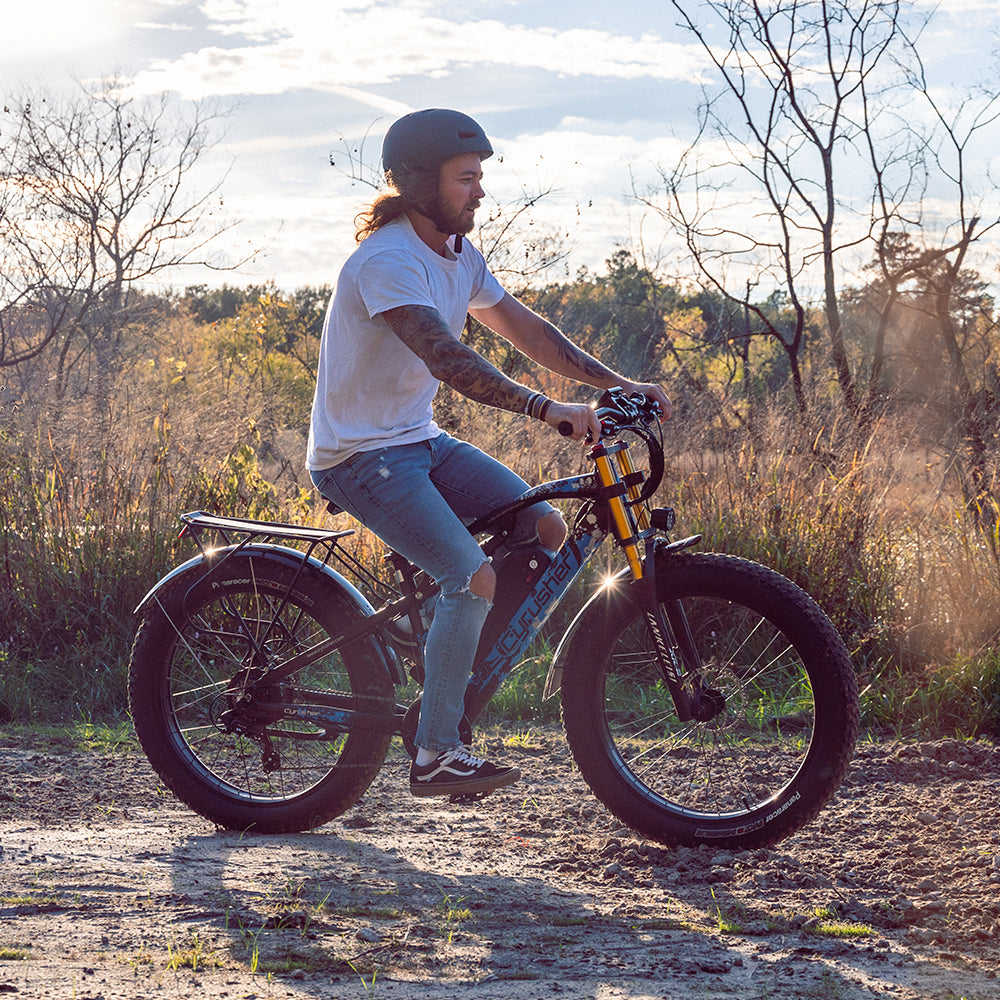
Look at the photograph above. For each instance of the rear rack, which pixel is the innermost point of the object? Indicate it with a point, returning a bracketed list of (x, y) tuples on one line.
[(239, 532), (227, 526)]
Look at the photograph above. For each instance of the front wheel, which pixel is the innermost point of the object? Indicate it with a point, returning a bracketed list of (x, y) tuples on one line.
[(784, 692), (224, 743)]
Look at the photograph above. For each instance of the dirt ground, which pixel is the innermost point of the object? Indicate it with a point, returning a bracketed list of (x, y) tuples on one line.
[(109, 888)]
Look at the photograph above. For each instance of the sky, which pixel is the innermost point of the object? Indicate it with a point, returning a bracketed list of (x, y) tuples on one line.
[(583, 101)]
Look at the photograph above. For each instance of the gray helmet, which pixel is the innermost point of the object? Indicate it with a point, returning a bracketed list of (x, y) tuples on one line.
[(415, 147), (423, 140)]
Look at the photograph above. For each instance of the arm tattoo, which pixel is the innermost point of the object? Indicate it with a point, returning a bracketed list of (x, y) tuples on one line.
[(450, 361), (575, 358)]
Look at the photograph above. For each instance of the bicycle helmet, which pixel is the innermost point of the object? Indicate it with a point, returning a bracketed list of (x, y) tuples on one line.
[(423, 140), (415, 147)]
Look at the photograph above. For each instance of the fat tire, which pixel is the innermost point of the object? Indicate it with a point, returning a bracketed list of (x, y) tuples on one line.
[(768, 763), (189, 648)]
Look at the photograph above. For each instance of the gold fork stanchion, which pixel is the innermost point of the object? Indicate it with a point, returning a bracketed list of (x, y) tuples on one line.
[(623, 520)]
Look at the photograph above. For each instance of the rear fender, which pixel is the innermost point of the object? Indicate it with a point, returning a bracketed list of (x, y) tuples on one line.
[(205, 563)]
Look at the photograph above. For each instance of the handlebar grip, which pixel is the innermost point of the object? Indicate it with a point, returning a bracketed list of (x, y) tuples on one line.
[(565, 428)]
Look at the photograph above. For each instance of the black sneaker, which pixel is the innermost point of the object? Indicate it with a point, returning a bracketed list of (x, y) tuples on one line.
[(457, 772)]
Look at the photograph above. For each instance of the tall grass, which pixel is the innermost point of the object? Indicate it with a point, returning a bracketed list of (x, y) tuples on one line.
[(89, 510), (911, 582), (81, 543)]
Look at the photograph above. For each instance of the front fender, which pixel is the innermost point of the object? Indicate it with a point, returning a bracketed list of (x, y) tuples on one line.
[(585, 620)]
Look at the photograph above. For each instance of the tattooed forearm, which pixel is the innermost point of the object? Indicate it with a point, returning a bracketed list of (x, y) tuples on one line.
[(426, 334), (575, 362)]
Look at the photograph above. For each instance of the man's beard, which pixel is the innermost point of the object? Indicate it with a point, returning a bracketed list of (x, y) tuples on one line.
[(462, 223)]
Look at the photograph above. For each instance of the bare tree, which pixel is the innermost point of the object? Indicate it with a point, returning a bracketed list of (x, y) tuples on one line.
[(94, 200), (974, 409), (804, 85)]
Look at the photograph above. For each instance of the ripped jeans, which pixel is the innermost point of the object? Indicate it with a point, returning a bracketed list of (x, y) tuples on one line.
[(418, 498)]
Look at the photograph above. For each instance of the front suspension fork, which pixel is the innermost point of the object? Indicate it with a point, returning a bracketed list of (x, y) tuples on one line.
[(676, 653), (668, 658), (634, 525)]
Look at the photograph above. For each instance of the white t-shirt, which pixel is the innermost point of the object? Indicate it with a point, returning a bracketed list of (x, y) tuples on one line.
[(371, 389)]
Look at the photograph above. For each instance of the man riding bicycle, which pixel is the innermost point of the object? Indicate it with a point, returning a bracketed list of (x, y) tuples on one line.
[(391, 336)]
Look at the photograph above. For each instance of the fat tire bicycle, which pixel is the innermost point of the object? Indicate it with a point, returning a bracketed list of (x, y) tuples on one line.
[(705, 697)]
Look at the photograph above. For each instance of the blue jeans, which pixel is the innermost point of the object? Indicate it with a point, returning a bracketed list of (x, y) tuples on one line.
[(418, 498)]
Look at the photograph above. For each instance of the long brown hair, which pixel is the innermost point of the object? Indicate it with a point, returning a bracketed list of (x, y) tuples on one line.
[(410, 188), (381, 211)]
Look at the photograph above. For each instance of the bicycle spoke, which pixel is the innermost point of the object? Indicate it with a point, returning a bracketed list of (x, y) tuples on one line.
[(216, 649), (741, 757)]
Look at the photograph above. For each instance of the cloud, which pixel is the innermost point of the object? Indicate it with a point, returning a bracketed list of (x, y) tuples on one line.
[(287, 47), (163, 26), (573, 105), (60, 26)]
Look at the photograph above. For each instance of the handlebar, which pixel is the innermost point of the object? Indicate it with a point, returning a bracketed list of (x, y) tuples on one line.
[(617, 410)]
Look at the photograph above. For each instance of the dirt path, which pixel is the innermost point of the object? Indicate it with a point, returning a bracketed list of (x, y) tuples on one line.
[(110, 889)]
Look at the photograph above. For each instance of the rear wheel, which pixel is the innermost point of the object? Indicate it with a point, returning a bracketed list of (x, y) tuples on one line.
[(783, 703), (229, 750)]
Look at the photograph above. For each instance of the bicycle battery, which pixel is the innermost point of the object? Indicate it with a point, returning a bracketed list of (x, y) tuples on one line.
[(517, 573)]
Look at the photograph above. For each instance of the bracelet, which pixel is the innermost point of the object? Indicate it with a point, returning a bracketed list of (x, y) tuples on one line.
[(537, 405)]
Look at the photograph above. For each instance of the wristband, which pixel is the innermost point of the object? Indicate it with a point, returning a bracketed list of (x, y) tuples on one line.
[(537, 405)]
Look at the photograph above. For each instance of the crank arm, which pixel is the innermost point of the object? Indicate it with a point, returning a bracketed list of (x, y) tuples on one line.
[(333, 721)]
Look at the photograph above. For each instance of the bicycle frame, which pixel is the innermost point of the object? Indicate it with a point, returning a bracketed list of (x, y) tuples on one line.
[(615, 505), (523, 626)]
